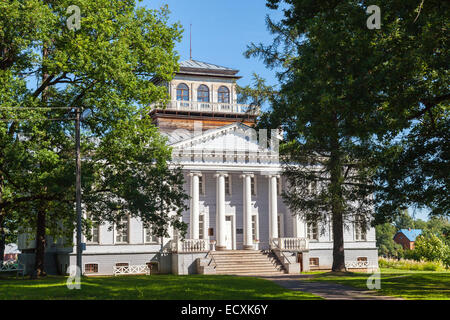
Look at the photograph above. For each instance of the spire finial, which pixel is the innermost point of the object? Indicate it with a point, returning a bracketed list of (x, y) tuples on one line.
[(190, 43)]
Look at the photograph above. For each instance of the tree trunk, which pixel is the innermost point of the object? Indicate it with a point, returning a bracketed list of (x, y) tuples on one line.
[(40, 244), (2, 227), (337, 209), (41, 214), (2, 239), (338, 242)]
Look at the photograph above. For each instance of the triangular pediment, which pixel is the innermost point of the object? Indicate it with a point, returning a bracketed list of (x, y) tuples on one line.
[(234, 137)]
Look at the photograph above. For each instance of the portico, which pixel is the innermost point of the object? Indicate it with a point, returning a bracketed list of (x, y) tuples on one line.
[(243, 215)]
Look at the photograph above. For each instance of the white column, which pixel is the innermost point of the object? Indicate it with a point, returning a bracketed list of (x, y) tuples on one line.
[(195, 210), (220, 210), (247, 206), (273, 207)]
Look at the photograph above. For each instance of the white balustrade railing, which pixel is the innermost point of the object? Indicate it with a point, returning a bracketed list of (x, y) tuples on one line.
[(138, 269), (190, 245), (208, 106), (291, 244)]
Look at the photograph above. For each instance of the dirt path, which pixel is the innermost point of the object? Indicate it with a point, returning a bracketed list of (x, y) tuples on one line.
[(326, 290)]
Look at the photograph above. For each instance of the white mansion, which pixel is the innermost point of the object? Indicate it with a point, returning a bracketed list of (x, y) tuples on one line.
[(238, 222)]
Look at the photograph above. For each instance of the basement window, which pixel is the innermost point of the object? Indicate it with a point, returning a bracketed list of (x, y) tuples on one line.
[(91, 268), (361, 259), (313, 262), (122, 264)]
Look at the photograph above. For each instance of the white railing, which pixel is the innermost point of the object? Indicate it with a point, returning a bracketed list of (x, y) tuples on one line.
[(139, 269), (190, 245), (208, 106), (291, 244), (360, 265)]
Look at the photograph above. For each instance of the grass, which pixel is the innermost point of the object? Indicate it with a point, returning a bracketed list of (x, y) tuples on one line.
[(157, 287), (404, 264), (407, 284)]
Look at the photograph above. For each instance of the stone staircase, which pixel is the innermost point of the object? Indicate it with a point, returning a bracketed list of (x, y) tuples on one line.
[(247, 263)]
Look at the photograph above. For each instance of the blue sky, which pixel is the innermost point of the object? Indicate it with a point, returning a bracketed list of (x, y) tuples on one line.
[(221, 31)]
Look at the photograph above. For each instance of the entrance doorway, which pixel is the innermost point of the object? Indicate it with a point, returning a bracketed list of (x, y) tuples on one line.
[(229, 232)]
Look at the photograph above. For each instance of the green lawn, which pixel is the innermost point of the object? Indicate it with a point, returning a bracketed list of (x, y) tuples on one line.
[(160, 287), (419, 285)]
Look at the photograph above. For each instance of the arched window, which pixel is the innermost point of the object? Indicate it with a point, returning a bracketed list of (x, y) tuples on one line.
[(203, 93), (224, 95), (182, 92)]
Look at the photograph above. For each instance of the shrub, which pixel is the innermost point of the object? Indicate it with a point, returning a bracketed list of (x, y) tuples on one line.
[(430, 248), (405, 264)]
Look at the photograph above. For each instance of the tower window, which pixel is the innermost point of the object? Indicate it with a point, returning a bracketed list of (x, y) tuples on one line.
[(223, 95), (182, 92), (203, 93)]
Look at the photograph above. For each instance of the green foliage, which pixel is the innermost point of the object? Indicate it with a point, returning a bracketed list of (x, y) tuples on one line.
[(374, 101), (385, 241), (430, 247), (404, 220), (105, 69), (405, 264)]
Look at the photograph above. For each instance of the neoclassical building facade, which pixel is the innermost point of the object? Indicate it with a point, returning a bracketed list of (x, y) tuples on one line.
[(238, 222)]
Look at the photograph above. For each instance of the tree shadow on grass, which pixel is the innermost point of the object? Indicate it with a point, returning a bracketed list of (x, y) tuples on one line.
[(156, 287), (409, 285)]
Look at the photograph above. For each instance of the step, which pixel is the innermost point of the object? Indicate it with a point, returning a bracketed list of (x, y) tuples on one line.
[(248, 270), (257, 274), (244, 259), (246, 263)]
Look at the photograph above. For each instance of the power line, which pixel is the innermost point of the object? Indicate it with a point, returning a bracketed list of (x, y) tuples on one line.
[(48, 119), (35, 108)]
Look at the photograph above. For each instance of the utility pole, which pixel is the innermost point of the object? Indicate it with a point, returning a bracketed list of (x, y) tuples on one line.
[(78, 188)]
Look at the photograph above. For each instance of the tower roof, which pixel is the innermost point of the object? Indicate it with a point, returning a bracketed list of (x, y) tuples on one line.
[(194, 67)]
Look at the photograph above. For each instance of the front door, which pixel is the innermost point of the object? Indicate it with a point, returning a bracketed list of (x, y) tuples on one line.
[(228, 233)]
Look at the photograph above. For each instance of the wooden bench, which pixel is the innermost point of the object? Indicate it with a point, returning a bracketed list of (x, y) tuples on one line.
[(13, 266)]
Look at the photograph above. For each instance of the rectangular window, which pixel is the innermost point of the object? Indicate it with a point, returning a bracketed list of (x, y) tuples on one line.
[(254, 229), (95, 232), (228, 185), (122, 264), (361, 259), (360, 230), (280, 225), (279, 186), (122, 231), (149, 237), (313, 187), (201, 185), (331, 229), (313, 262), (253, 185), (201, 226), (312, 231), (91, 268), (210, 232)]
